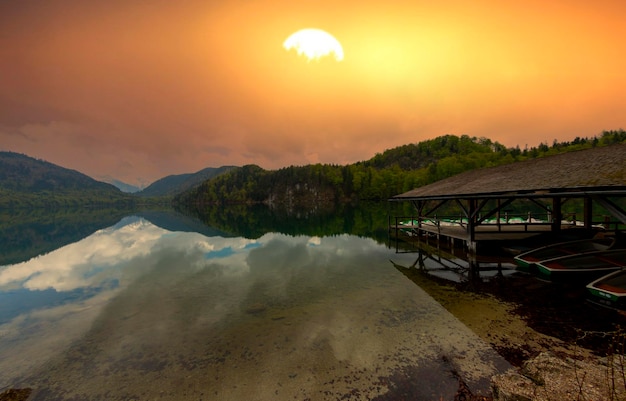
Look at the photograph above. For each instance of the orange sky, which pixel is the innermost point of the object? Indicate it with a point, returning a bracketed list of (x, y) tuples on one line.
[(140, 89)]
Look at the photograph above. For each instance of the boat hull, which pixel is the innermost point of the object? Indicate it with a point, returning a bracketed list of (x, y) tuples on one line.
[(609, 290), (572, 275), (527, 262), (583, 267)]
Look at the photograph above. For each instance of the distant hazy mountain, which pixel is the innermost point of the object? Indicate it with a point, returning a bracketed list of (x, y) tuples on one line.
[(174, 184), (29, 182), (124, 187)]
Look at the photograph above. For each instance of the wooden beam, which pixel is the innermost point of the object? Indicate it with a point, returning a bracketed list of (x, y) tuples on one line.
[(436, 207), (614, 209), (496, 210), (463, 208), (478, 208), (536, 202)]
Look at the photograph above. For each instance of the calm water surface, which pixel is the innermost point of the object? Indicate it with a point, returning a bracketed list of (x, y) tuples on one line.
[(135, 311)]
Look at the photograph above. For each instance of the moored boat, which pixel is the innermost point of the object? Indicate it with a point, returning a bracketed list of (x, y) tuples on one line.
[(527, 261), (585, 266), (609, 290)]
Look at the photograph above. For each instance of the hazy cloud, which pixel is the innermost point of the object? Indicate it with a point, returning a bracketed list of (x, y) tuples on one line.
[(120, 89)]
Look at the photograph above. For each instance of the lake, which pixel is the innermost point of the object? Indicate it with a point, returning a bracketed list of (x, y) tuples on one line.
[(157, 305)]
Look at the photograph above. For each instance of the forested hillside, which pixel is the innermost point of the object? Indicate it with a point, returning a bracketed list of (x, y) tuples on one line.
[(386, 174), (29, 182)]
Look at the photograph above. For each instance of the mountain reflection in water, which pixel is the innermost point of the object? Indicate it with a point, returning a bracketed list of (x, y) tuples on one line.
[(137, 311)]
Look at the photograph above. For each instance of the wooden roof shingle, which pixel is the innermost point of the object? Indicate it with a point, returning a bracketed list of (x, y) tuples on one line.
[(601, 168)]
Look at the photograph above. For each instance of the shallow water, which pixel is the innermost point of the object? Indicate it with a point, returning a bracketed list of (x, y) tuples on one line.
[(135, 311)]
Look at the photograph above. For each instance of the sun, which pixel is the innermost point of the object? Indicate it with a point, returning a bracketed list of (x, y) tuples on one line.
[(314, 44)]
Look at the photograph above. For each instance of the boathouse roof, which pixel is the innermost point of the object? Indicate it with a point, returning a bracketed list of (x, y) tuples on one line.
[(600, 170)]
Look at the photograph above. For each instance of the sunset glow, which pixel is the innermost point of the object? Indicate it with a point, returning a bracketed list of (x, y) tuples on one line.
[(314, 44), (133, 92)]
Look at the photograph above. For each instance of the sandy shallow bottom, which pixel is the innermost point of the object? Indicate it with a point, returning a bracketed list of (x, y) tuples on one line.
[(522, 317), (360, 344), (275, 318)]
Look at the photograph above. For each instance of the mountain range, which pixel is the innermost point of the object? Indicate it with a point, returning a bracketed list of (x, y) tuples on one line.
[(26, 181), (30, 182)]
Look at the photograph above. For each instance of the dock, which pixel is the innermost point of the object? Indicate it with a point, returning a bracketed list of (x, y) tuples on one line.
[(491, 232), (459, 234), (592, 182)]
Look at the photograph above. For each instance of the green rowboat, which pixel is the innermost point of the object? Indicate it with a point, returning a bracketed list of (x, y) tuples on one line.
[(527, 261), (609, 291), (585, 266)]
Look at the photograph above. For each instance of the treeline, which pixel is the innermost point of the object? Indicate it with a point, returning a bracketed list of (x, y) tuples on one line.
[(367, 219), (386, 174), (65, 198)]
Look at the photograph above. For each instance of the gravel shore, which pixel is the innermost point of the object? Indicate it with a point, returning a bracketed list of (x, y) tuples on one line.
[(557, 342)]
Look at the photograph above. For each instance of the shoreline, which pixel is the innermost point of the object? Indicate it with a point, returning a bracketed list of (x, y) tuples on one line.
[(559, 345)]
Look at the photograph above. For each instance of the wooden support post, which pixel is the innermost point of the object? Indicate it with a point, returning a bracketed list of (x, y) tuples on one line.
[(471, 226), (474, 268), (499, 206), (588, 213), (557, 216)]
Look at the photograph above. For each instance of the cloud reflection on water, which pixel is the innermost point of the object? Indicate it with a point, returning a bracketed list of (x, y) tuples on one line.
[(84, 277), (247, 312), (108, 255)]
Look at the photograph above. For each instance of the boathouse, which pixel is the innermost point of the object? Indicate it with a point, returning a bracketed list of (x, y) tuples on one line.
[(484, 204)]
